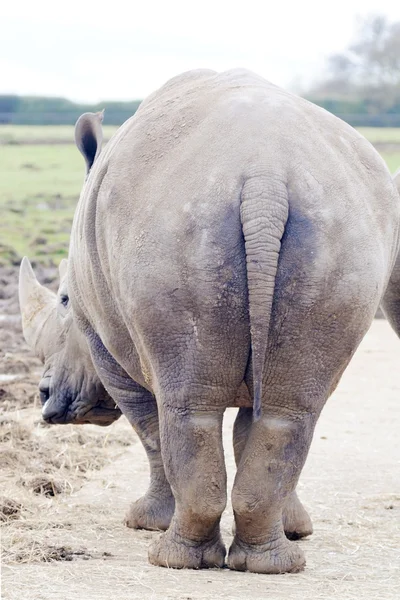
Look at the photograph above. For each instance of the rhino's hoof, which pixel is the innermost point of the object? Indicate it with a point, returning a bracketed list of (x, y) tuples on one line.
[(178, 553), (281, 557), (151, 512), (296, 521)]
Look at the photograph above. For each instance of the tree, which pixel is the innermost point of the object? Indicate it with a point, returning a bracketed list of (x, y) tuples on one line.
[(8, 106), (368, 72)]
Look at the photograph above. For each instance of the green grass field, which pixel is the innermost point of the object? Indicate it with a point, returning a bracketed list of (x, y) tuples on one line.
[(39, 190), (380, 135), (392, 159), (41, 182)]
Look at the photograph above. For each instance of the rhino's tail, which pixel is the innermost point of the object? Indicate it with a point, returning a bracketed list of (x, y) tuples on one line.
[(264, 212)]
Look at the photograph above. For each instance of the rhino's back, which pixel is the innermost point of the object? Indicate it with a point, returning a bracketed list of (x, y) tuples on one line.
[(175, 171), (202, 127)]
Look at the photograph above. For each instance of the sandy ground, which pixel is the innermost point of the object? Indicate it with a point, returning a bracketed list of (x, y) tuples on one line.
[(350, 484)]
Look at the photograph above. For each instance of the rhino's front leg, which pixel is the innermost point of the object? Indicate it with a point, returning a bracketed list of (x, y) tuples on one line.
[(154, 510), (296, 520)]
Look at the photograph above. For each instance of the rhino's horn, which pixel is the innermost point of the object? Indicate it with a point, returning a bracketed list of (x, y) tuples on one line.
[(89, 136), (36, 303)]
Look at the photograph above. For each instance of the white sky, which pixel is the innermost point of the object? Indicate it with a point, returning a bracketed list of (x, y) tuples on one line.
[(124, 49)]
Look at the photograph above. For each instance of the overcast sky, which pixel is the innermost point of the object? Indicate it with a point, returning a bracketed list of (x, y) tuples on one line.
[(123, 49)]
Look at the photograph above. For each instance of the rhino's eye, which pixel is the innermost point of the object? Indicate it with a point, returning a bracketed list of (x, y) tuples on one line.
[(64, 300)]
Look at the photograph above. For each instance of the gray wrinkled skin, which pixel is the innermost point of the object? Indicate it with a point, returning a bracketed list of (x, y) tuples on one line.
[(230, 247), (391, 300)]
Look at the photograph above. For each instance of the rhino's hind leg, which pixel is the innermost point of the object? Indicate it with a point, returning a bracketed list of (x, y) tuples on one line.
[(296, 521), (268, 471), (194, 462)]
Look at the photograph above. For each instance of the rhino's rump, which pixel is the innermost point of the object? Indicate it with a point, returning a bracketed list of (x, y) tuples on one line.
[(169, 253)]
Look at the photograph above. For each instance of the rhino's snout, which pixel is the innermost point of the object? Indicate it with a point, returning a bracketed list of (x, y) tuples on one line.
[(53, 411), (51, 414)]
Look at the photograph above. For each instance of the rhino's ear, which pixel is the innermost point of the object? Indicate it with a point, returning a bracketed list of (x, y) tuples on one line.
[(36, 304), (62, 268), (89, 136), (396, 179)]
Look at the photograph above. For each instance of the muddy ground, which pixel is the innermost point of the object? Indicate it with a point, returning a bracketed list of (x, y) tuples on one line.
[(64, 491)]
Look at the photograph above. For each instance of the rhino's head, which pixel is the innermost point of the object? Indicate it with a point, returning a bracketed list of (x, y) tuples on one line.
[(70, 389)]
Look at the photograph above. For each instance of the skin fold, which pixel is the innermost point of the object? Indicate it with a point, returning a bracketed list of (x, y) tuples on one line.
[(230, 247)]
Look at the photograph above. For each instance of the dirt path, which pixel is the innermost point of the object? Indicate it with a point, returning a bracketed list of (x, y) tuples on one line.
[(351, 485)]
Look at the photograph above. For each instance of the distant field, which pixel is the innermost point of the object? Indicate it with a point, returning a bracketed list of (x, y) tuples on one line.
[(37, 134), (381, 135), (41, 176)]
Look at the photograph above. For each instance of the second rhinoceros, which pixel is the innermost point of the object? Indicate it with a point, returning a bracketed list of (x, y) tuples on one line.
[(230, 236)]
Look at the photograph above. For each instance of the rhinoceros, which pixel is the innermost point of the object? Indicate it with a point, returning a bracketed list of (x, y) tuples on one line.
[(230, 247), (391, 299)]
